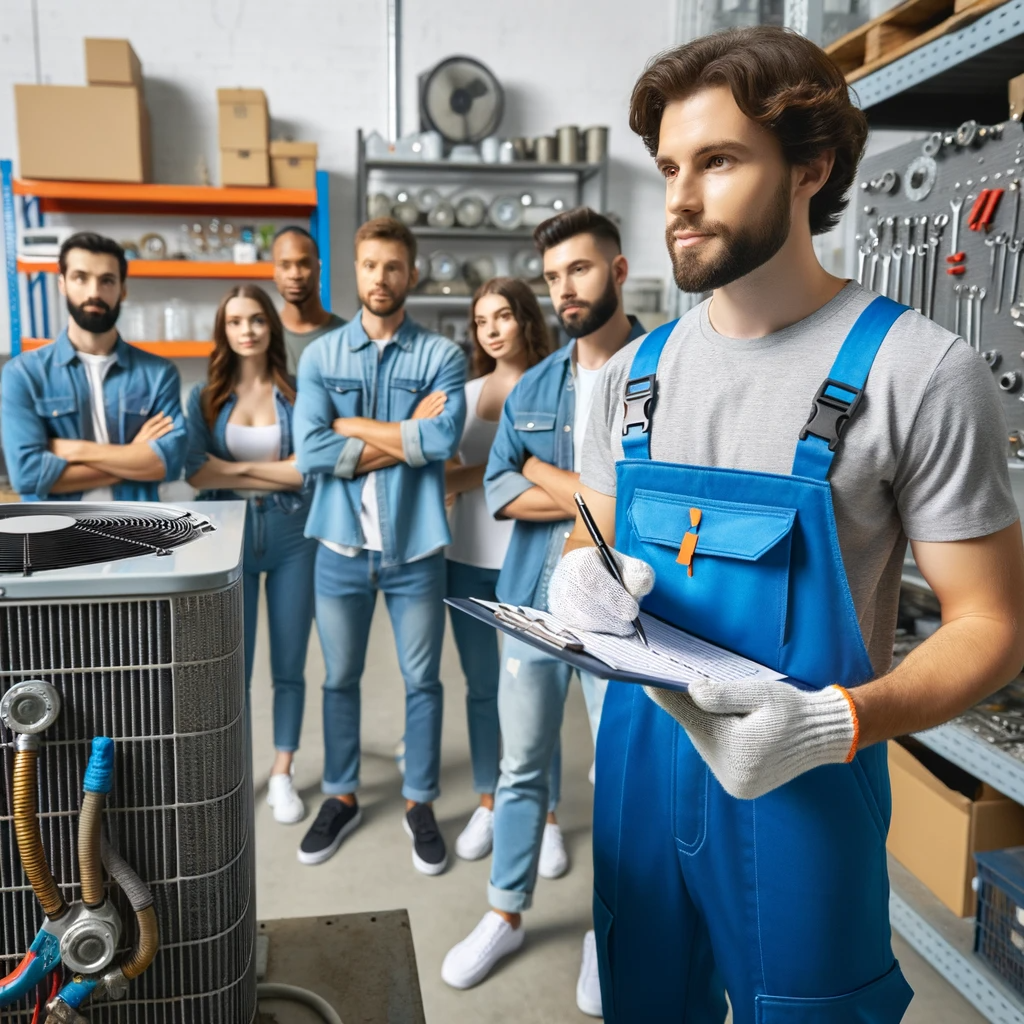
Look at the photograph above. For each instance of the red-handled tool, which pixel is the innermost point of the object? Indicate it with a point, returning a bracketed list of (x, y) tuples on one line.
[(957, 270), (989, 212), (974, 216)]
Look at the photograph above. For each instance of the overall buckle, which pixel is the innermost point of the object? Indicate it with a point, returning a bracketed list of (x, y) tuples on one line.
[(638, 401), (831, 413)]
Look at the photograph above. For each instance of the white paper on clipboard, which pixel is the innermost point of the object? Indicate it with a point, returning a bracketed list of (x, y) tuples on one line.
[(672, 654)]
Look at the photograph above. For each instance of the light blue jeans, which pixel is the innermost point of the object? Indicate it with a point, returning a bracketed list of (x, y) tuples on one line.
[(274, 545), (477, 644), (346, 594), (531, 701)]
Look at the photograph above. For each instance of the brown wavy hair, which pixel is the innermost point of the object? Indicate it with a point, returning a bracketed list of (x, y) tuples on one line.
[(222, 372), (780, 80), (526, 310)]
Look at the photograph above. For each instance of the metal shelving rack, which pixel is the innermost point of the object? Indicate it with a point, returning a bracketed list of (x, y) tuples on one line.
[(37, 198), (954, 78), (583, 184)]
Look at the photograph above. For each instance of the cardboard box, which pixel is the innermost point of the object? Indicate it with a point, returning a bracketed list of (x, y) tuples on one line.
[(244, 167), (941, 817), (1016, 91), (243, 121), (293, 164), (82, 133), (112, 62)]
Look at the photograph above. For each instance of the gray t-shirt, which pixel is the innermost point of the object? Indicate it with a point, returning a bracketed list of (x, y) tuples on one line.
[(925, 457), (296, 343)]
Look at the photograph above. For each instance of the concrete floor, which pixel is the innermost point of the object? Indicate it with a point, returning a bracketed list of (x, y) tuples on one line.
[(373, 870)]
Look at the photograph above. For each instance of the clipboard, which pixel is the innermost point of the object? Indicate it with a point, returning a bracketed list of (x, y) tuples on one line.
[(578, 659)]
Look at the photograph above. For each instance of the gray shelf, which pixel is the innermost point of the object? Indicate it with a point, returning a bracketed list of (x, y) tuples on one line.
[(484, 234), (955, 77), (417, 300), (516, 169), (984, 760), (947, 943)]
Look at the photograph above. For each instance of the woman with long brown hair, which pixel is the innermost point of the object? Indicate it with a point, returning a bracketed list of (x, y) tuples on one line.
[(240, 447), (509, 335)]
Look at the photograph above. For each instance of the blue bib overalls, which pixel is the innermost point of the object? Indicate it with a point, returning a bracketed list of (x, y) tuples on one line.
[(782, 900)]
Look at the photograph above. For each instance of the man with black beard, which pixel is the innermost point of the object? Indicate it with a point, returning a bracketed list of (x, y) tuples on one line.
[(531, 475), (91, 417)]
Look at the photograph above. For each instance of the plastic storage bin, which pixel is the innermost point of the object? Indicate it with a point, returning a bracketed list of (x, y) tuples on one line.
[(999, 931)]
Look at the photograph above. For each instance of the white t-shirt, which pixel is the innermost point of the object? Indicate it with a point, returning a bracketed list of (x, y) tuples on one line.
[(586, 386), (253, 444), (96, 369), (477, 537), (369, 514)]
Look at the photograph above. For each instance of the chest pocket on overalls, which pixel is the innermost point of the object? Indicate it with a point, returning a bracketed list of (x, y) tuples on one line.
[(734, 591), (136, 408), (59, 413), (406, 394), (346, 395), (537, 430)]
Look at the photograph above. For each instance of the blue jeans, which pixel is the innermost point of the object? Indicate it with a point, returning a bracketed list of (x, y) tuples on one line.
[(477, 644), (531, 701), (346, 593), (274, 545)]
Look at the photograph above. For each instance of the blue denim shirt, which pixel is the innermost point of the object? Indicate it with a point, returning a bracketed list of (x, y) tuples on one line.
[(46, 394), (203, 442), (343, 374), (537, 420)]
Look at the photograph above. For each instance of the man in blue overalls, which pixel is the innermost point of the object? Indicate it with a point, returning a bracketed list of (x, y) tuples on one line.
[(745, 851)]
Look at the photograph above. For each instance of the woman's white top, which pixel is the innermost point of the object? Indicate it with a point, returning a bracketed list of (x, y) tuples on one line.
[(477, 537), (253, 444)]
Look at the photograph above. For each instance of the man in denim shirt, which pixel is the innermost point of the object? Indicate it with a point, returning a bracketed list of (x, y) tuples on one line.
[(90, 417), (531, 476), (380, 408)]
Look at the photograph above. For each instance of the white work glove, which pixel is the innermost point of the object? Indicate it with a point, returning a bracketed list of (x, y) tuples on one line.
[(583, 594), (757, 735)]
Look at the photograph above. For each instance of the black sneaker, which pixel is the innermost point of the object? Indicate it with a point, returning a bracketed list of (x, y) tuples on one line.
[(428, 851), (335, 820)]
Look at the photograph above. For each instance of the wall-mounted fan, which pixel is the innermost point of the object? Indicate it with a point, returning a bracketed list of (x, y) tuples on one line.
[(461, 99), (58, 535)]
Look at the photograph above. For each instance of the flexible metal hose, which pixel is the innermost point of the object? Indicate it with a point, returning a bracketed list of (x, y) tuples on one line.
[(30, 843), (141, 899), (89, 866), (146, 944)]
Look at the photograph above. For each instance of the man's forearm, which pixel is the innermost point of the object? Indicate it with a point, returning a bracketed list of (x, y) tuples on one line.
[(961, 663), (372, 458), (560, 484), (535, 505), (385, 436), (82, 478), (126, 461)]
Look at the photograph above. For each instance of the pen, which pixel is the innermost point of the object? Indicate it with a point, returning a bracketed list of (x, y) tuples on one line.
[(606, 555)]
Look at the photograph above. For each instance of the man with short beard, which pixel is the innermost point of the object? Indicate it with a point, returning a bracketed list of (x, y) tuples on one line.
[(761, 464), (91, 417), (531, 475), (380, 409)]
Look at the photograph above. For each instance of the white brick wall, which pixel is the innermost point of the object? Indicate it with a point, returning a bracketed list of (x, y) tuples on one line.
[(323, 66)]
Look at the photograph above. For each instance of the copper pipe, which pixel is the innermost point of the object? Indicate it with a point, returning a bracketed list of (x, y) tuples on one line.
[(90, 868), (30, 843), (146, 944)]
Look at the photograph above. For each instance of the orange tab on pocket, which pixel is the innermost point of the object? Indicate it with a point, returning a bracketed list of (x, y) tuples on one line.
[(689, 543)]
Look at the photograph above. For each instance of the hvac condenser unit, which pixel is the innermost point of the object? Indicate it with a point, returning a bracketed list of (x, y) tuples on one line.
[(122, 623)]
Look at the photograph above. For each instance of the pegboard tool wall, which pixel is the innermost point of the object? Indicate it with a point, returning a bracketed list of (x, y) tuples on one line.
[(921, 196)]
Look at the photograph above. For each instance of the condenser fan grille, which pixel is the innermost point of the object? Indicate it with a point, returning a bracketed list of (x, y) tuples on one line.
[(56, 535)]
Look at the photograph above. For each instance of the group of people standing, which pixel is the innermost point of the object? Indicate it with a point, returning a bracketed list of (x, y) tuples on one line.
[(368, 464)]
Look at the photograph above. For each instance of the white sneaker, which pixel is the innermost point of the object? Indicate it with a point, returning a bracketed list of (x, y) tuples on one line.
[(468, 963), (477, 838), (287, 804), (554, 861), (588, 988)]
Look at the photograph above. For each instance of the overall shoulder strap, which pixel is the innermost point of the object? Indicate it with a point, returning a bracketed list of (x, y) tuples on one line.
[(640, 393), (839, 397)]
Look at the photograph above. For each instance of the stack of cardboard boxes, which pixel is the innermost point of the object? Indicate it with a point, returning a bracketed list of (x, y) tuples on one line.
[(95, 132)]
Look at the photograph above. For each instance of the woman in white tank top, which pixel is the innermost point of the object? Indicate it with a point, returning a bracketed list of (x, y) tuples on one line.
[(240, 447), (509, 335)]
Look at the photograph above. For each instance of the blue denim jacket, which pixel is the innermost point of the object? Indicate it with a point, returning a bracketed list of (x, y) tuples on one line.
[(537, 420), (343, 374), (46, 394), (203, 442)]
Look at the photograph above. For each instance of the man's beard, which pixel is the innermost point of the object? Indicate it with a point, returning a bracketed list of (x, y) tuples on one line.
[(397, 301), (595, 314), (744, 250), (94, 323)]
